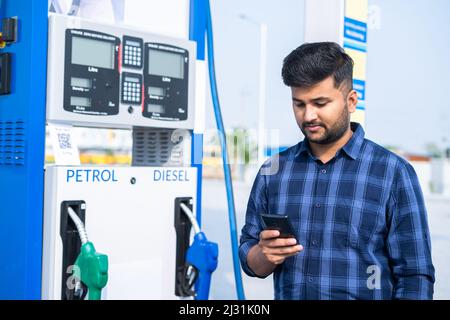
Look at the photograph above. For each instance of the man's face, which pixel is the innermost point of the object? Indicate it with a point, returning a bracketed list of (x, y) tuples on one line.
[(322, 111)]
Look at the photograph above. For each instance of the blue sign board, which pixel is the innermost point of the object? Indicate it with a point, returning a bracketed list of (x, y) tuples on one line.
[(355, 30)]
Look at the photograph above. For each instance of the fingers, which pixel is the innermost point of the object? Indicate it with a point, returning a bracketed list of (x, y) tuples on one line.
[(268, 234), (282, 251), (275, 249), (280, 242), (269, 238), (279, 258)]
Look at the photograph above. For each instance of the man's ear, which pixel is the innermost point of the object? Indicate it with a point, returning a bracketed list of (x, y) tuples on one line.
[(352, 101)]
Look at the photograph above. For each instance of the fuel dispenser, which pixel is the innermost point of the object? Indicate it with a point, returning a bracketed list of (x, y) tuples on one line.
[(139, 217)]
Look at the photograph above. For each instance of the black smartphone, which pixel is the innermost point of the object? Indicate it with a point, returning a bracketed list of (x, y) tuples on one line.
[(280, 223)]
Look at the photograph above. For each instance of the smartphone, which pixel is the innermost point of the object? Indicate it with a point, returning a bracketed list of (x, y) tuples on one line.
[(280, 223)]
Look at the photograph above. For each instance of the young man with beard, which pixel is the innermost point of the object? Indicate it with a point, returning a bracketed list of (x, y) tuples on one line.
[(357, 209)]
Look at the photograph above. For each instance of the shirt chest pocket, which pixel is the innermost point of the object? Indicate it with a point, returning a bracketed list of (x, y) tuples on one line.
[(356, 225)]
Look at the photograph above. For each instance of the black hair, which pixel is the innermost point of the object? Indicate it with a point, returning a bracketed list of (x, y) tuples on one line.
[(313, 62)]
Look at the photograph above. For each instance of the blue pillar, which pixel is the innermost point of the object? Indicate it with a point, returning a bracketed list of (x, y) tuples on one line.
[(22, 150), (197, 31)]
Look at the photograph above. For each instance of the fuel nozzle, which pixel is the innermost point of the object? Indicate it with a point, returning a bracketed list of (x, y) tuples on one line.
[(93, 270), (91, 267), (202, 255)]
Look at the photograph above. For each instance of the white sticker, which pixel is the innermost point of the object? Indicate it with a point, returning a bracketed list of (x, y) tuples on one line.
[(64, 145)]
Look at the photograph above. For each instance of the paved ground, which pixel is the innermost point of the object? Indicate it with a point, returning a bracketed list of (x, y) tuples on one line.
[(215, 224)]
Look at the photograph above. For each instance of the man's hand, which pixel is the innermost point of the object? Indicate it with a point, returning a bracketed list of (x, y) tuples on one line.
[(275, 249), (271, 251)]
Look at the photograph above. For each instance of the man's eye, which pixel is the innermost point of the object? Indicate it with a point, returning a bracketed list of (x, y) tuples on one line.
[(321, 104), (299, 105)]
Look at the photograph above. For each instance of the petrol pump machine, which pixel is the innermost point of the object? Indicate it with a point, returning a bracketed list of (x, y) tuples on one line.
[(110, 76), (138, 217)]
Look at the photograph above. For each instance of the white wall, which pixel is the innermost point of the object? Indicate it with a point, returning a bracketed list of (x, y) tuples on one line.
[(424, 173)]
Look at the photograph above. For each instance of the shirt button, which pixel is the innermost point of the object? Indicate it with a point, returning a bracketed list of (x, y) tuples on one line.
[(317, 205), (323, 171), (310, 279), (314, 242)]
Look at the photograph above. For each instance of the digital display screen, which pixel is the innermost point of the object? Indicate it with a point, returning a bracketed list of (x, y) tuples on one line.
[(95, 53), (81, 82), (168, 64), (133, 43), (155, 108), (131, 79), (80, 101), (155, 91)]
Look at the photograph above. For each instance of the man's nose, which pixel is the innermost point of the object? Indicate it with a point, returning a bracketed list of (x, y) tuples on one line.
[(310, 114)]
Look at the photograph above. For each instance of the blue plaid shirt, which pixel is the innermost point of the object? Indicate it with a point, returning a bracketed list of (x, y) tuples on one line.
[(360, 217)]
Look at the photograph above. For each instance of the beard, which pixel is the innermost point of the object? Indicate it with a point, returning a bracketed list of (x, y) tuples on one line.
[(331, 134)]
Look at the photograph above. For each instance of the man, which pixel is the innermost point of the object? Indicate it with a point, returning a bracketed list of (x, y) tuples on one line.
[(357, 208)]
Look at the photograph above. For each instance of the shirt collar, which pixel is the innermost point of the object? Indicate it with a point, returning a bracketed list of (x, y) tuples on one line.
[(351, 148), (302, 147)]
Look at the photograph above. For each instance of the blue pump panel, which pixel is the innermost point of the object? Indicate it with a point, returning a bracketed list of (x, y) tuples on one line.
[(22, 147)]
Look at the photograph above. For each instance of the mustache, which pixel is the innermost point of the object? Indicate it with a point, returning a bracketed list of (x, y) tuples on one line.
[(312, 124)]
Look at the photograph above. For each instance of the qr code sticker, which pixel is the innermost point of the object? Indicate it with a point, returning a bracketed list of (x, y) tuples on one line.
[(64, 141)]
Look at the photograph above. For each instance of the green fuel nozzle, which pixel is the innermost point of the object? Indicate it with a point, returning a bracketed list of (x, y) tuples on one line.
[(91, 267), (93, 270)]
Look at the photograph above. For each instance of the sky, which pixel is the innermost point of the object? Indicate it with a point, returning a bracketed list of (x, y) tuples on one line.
[(408, 70), (236, 45)]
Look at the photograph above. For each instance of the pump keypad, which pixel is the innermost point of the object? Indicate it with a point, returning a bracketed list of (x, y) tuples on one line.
[(132, 52), (131, 88)]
